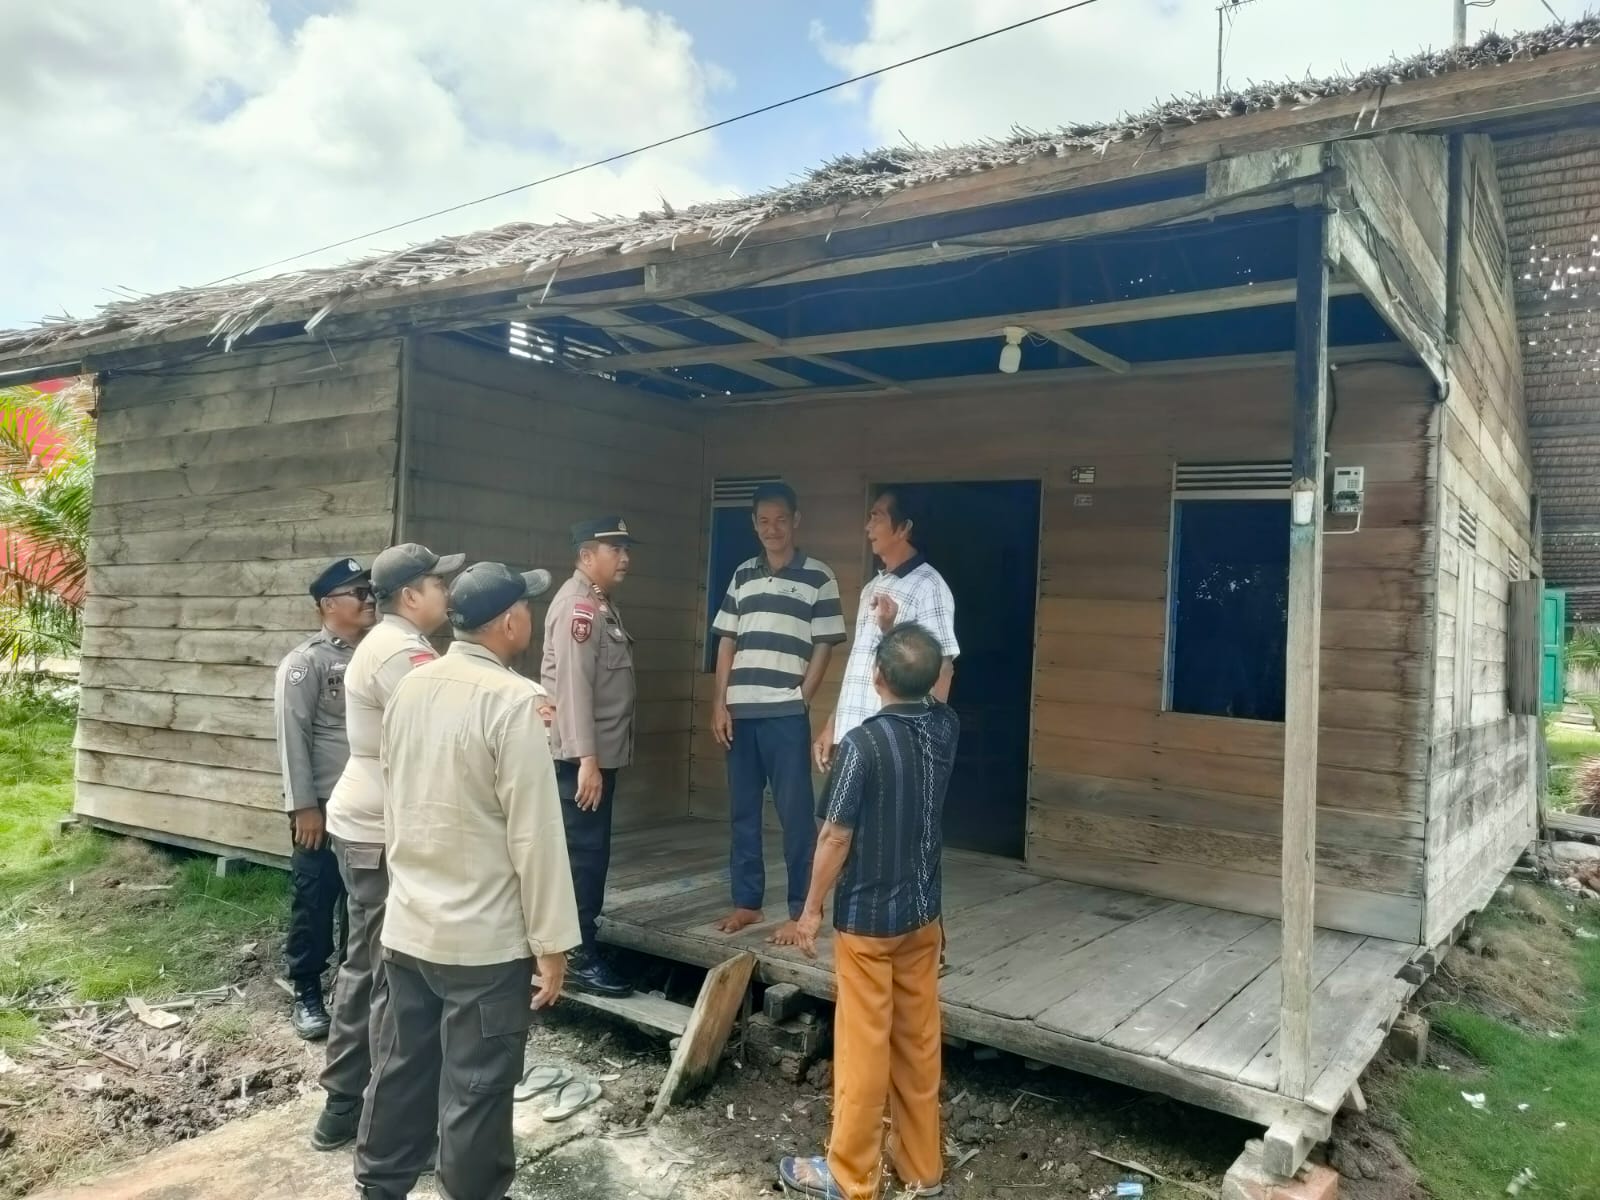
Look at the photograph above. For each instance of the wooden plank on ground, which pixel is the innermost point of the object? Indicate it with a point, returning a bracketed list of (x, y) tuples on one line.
[(1146, 962), (1226, 1044), (1168, 1020), (695, 1060), (642, 1009)]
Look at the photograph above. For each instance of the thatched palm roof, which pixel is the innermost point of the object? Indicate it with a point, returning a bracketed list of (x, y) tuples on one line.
[(236, 308)]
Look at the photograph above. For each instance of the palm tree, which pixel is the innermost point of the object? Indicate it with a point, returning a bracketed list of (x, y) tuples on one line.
[(46, 483)]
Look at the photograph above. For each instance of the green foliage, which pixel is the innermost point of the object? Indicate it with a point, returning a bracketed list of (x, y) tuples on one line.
[(99, 917), (1464, 1152), (1583, 646), (47, 452)]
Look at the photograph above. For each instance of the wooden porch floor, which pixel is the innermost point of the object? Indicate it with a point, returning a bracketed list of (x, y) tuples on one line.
[(1165, 996)]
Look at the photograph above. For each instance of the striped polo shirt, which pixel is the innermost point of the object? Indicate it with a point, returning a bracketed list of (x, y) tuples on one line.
[(776, 621)]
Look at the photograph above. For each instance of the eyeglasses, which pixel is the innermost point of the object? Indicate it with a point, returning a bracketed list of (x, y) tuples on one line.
[(362, 594)]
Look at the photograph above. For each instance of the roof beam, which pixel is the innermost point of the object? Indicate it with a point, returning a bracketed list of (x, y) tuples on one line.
[(620, 326), (745, 330), (1395, 352), (1111, 312), (1352, 256), (1068, 340)]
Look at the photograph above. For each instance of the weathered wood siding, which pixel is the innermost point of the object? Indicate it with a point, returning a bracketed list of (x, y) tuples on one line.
[(1482, 790), (1122, 793), (220, 490), (502, 456)]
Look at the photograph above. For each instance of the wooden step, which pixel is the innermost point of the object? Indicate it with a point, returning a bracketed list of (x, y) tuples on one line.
[(655, 1014)]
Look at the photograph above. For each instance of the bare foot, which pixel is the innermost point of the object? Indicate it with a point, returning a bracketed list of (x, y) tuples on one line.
[(739, 918), (787, 934)]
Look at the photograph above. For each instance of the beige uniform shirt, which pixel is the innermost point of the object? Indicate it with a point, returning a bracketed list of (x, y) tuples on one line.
[(588, 671), (478, 871), (389, 652)]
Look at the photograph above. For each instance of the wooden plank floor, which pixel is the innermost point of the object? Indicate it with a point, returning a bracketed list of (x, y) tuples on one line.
[(1171, 997)]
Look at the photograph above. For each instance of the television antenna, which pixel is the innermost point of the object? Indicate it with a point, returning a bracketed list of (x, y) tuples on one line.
[(1225, 12)]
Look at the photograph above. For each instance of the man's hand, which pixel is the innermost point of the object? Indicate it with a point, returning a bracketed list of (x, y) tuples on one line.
[(722, 725), (822, 749), (550, 974), (310, 828), (547, 711), (806, 929), (885, 608), (590, 784)]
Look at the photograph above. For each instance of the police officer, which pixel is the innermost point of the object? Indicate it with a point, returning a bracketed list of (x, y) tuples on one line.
[(588, 671), (408, 581), (308, 701)]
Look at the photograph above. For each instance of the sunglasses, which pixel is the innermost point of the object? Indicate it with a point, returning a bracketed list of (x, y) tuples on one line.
[(362, 594)]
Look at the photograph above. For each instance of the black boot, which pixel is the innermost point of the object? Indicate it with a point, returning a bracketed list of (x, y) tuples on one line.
[(589, 971), (310, 1017), (337, 1125)]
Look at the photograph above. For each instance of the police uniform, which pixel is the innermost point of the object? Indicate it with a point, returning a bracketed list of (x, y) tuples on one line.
[(479, 887), (308, 702), (588, 671), (388, 653)]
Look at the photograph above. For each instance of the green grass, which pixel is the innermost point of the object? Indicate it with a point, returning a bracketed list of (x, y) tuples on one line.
[(1464, 1153), (78, 909), (1569, 746)]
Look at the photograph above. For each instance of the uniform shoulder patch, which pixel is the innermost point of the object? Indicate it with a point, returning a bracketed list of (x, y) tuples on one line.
[(298, 673), (583, 606), (582, 623), (418, 657)]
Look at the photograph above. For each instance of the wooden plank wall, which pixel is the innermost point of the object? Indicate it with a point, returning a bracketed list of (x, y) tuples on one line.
[(503, 456), (1123, 794), (1483, 788), (220, 490)]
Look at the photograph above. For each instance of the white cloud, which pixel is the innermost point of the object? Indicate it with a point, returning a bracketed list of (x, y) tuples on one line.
[(1118, 56), (162, 143)]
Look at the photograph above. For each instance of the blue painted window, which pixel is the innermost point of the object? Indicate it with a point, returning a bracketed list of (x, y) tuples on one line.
[(1227, 608)]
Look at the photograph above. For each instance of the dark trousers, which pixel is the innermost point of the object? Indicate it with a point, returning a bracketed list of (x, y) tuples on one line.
[(775, 750), (316, 906), (449, 1054), (360, 995), (588, 844)]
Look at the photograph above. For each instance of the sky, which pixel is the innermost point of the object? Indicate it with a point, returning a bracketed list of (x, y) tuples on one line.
[(156, 144)]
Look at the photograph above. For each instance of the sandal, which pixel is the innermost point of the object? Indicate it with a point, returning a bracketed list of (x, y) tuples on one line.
[(570, 1098), (540, 1079), (808, 1177)]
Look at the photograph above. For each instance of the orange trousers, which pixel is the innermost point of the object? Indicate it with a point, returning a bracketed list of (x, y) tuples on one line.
[(886, 1054)]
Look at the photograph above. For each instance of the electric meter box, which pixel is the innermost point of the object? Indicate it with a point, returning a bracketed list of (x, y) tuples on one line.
[(1349, 490)]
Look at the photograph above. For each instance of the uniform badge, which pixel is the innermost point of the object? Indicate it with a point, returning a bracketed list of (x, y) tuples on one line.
[(582, 625), (422, 656), (297, 674)]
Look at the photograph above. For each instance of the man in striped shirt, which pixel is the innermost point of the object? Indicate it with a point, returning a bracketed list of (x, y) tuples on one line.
[(777, 627)]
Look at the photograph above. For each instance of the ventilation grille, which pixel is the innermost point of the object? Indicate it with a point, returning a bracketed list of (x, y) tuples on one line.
[(1467, 528), (1232, 479), (736, 491), (1516, 569)]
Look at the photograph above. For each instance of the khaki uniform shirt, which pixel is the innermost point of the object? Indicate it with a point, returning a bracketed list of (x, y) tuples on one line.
[(588, 671), (308, 704), (389, 652), (478, 871)]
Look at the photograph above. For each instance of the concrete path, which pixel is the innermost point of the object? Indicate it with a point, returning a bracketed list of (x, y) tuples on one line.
[(268, 1157)]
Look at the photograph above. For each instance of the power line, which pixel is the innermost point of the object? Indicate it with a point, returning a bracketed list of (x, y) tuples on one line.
[(666, 141)]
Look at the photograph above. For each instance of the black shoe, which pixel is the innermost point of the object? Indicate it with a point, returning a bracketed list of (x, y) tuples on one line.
[(589, 971), (309, 1017), (337, 1125)]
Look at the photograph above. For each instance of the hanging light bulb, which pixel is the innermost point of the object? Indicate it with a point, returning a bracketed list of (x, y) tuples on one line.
[(1011, 352)]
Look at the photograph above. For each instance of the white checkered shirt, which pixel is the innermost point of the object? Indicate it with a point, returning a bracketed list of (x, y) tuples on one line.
[(925, 598)]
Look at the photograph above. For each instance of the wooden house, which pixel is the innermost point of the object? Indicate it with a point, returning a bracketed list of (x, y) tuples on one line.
[(1246, 555)]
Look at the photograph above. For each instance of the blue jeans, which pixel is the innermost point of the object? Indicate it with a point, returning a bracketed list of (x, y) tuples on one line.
[(775, 750)]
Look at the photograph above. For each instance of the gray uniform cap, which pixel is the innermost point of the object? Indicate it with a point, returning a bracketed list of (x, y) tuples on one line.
[(399, 565), (486, 589)]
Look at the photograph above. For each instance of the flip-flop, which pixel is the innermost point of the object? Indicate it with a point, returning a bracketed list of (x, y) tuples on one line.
[(572, 1097), (808, 1177), (539, 1079)]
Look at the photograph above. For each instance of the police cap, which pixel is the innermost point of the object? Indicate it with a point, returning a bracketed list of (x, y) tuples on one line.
[(603, 529), (399, 565), (335, 575), (486, 589)]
